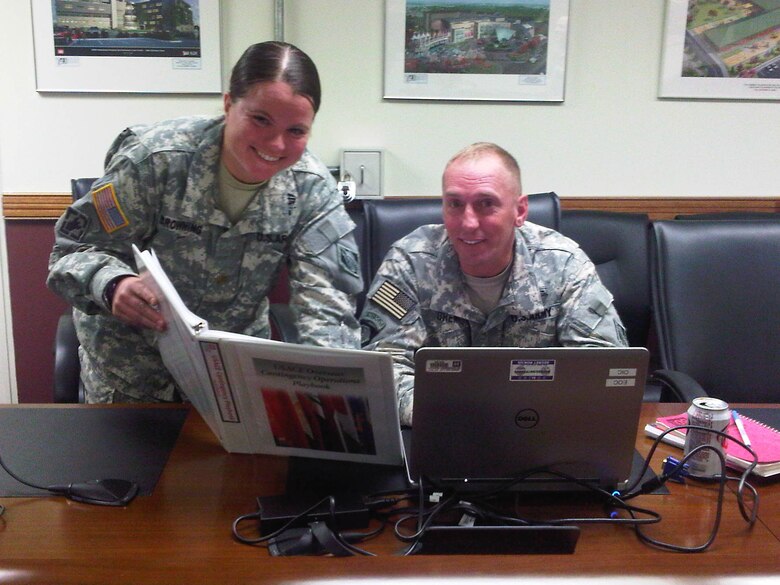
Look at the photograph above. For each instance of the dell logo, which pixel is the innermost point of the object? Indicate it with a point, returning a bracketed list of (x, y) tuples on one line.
[(527, 418)]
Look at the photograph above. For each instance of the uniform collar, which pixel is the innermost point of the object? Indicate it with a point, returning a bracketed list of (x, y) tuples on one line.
[(521, 294), (449, 298), (199, 201)]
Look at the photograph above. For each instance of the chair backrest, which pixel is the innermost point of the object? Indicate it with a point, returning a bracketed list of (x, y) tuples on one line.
[(80, 187), (67, 385), (617, 243), (715, 289), (67, 370), (358, 215), (391, 219), (731, 215), (545, 209)]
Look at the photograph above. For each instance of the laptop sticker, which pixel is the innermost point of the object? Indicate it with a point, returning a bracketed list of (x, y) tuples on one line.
[(621, 377), (532, 370), (443, 366)]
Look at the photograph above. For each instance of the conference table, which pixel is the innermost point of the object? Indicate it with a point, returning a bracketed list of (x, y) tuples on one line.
[(181, 533)]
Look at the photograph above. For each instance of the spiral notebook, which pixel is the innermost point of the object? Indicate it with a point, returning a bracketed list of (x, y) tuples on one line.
[(761, 426)]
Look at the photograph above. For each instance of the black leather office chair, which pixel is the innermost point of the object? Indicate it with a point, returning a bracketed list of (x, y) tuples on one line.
[(67, 381), (715, 288), (81, 187), (67, 370), (358, 215), (617, 243), (391, 219), (730, 215)]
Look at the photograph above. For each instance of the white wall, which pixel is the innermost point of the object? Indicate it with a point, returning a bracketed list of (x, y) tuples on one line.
[(7, 378), (611, 136)]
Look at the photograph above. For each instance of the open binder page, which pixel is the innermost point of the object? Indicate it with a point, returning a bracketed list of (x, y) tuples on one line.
[(178, 344), (316, 402), (264, 396)]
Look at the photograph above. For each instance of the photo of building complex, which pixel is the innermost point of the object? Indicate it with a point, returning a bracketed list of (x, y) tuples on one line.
[(732, 38), (158, 28), (477, 37)]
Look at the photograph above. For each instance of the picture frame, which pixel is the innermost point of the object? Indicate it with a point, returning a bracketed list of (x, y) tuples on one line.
[(461, 50), (121, 47), (725, 49)]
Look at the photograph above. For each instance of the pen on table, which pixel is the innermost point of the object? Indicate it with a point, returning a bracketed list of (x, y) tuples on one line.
[(740, 427)]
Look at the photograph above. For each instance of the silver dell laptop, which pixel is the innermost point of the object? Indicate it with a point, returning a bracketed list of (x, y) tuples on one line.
[(487, 416)]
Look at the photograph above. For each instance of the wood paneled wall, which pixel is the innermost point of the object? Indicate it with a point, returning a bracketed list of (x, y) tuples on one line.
[(35, 309), (669, 207), (52, 205)]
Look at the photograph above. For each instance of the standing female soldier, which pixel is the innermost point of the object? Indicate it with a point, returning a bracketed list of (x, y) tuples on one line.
[(225, 203)]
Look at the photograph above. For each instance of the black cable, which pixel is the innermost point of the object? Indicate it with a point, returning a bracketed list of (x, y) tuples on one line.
[(455, 501), (256, 515), (616, 500), (19, 479), (363, 536), (337, 536), (105, 492), (609, 498), (750, 517), (719, 508), (477, 505)]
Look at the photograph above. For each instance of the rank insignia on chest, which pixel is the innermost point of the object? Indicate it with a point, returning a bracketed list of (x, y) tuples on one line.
[(108, 210)]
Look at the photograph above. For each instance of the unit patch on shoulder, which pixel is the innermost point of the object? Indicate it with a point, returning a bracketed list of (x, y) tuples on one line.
[(393, 300), (348, 260), (74, 225), (108, 210), (371, 323)]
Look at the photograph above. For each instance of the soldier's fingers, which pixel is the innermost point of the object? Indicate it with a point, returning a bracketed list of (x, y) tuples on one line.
[(151, 318)]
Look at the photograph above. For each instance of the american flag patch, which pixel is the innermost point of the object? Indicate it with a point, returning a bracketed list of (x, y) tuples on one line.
[(393, 300), (109, 213)]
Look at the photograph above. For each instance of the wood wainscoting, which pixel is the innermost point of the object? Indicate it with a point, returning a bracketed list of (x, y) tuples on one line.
[(52, 205), (30, 235), (35, 205), (669, 207)]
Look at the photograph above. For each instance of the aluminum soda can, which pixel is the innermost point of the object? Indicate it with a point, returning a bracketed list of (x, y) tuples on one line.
[(714, 414)]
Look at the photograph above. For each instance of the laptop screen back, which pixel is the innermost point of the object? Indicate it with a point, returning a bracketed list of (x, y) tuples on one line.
[(487, 414)]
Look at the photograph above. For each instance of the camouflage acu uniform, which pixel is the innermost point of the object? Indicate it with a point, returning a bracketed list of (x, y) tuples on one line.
[(553, 297), (159, 192)]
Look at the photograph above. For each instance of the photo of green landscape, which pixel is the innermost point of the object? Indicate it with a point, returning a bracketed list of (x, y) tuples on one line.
[(732, 38)]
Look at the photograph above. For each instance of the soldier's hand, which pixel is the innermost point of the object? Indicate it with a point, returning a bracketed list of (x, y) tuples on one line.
[(135, 304)]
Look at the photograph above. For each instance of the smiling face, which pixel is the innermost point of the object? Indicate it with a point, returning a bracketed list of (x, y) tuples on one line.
[(266, 131), (482, 205)]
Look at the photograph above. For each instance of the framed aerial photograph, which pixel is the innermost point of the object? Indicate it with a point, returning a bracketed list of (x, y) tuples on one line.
[(721, 49), (496, 50), (172, 46)]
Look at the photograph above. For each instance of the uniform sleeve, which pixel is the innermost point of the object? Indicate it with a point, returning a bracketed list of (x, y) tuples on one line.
[(93, 237), (588, 314), (324, 275), (391, 321)]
